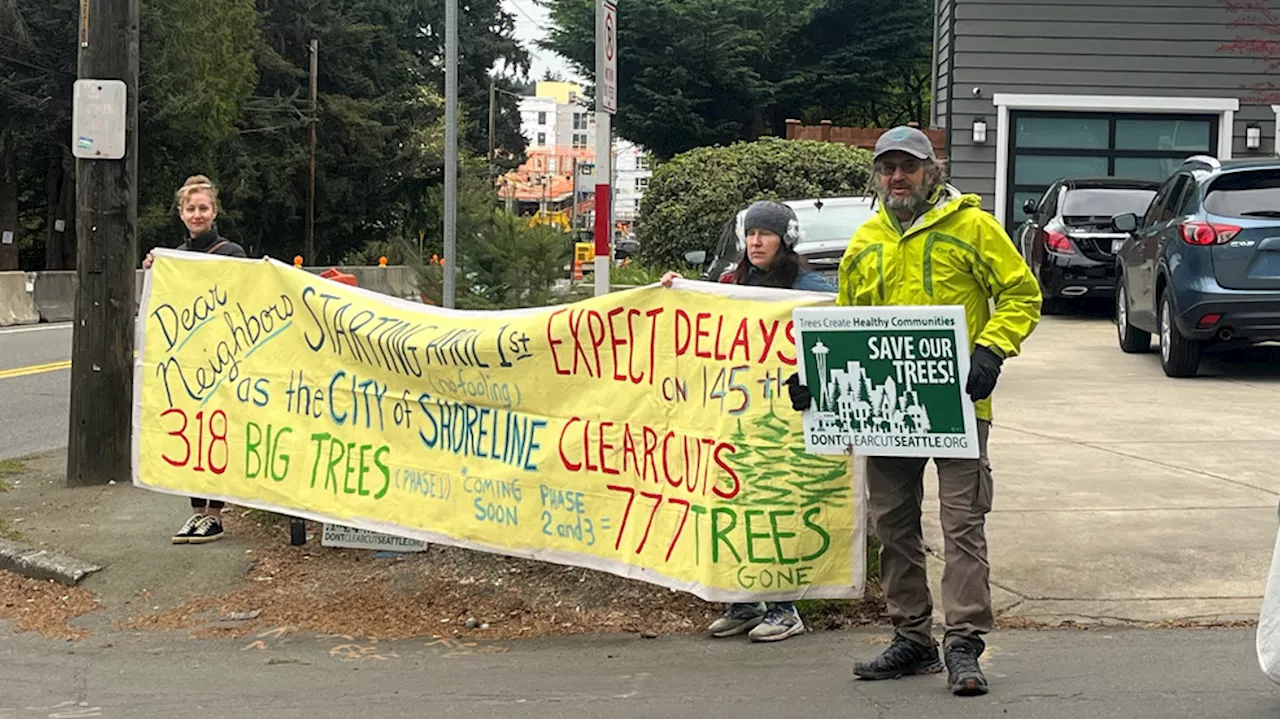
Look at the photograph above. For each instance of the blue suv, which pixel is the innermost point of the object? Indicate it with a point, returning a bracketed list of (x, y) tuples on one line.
[(1202, 266)]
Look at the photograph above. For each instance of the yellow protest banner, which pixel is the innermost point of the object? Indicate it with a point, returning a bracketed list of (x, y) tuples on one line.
[(645, 433)]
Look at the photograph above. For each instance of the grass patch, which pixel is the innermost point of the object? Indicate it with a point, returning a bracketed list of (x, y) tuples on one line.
[(7, 532), (10, 468)]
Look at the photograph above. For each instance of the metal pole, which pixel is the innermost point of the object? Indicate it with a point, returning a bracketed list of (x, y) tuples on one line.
[(493, 123), (604, 164), (309, 246), (450, 151)]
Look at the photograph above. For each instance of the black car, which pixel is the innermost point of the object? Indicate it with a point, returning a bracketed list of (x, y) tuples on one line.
[(1068, 241), (1201, 267)]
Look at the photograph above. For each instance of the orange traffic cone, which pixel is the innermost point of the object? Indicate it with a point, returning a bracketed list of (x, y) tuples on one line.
[(577, 270)]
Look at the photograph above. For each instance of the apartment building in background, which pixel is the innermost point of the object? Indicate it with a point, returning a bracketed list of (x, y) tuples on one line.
[(560, 129)]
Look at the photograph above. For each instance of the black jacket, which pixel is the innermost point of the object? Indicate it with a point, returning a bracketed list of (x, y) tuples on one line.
[(211, 240)]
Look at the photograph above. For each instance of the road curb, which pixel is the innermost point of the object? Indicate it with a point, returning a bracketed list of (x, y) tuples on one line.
[(42, 564)]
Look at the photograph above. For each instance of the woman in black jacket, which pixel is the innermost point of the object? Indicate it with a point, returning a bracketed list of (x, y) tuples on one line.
[(768, 232), (197, 202)]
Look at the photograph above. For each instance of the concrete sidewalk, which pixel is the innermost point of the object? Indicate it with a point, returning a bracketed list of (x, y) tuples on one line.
[(1124, 495)]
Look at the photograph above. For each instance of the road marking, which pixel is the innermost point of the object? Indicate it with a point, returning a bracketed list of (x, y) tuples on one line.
[(35, 369), (36, 328)]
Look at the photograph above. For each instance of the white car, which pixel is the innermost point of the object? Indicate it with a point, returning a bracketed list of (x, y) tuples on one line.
[(827, 224)]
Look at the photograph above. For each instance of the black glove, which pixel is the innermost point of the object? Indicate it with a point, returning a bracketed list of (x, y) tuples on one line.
[(984, 370), (801, 397)]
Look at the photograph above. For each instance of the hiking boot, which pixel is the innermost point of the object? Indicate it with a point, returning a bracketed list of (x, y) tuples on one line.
[(184, 535), (903, 658), (738, 618), (780, 622), (964, 676), (209, 529)]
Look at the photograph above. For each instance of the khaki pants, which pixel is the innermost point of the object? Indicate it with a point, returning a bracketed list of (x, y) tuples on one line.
[(896, 485)]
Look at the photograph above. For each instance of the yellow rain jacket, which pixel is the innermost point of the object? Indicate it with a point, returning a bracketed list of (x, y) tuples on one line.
[(955, 254)]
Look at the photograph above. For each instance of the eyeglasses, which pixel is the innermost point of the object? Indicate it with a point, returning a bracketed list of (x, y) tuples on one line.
[(908, 166)]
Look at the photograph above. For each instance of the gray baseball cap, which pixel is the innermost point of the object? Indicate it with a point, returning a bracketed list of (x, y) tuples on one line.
[(905, 139)]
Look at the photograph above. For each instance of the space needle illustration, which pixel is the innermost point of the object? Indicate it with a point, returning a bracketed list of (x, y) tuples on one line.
[(820, 352)]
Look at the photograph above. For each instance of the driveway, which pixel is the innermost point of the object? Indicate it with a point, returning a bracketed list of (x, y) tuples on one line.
[(1122, 494)]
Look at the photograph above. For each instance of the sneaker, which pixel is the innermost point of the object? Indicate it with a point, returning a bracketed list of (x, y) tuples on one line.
[(964, 676), (903, 658), (184, 535), (208, 530), (738, 618), (780, 622)]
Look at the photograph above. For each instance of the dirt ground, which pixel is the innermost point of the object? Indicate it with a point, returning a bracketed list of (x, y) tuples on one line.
[(444, 590)]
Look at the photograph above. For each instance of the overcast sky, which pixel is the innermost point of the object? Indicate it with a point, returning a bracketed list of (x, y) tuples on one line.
[(531, 18)]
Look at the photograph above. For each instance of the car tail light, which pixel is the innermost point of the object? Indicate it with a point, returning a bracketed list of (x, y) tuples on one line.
[(1209, 320), (1195, 232), (726, 278), (1058, 242)]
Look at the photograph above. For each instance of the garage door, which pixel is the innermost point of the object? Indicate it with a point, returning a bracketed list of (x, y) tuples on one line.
[(1047, 146)]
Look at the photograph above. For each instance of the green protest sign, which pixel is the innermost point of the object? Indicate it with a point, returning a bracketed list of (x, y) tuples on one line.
[(887, 381)]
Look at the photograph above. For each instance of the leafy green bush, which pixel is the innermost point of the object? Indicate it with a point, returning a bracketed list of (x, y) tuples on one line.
[(692, 196)]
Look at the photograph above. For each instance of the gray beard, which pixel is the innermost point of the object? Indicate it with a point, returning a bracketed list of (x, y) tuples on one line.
[(917, 203)]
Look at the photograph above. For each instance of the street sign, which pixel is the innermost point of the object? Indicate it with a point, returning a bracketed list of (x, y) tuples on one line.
[(609, 83), (98, 119), (336, 535)]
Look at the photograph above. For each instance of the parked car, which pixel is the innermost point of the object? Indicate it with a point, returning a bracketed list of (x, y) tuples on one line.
[(827, 224), (1201, 267), (1067, 239)]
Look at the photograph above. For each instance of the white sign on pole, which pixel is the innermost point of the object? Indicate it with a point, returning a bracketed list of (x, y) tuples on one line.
[(336, 535), (609, 83), (98, 119)]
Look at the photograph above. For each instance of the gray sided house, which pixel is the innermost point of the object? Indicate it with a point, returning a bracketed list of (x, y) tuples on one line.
[(1029, 91)]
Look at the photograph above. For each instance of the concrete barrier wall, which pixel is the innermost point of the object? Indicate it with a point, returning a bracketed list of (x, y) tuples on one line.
[(27, 298), (16, 305), (54, 294)]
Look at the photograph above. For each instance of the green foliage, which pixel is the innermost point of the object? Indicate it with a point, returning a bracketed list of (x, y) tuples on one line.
[(503, 262), (704, 72), (224, 92), (691, 197), (635, 273)]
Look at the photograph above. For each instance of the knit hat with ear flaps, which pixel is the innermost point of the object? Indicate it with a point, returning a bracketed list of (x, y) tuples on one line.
[(774, 217)]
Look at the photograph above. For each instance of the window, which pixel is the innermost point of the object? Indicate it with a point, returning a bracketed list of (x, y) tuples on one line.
[(642, 184), (643, 163), (542, 118), (1253, 194), (1048, 146), (542, 138), (1105, 202), (573, 98), (579, 141), (579, 120)]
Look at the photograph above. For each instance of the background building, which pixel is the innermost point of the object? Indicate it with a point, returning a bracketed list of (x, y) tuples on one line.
[(1033, 91)]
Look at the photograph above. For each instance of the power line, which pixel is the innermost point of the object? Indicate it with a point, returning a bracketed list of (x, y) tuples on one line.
[(527, 16)]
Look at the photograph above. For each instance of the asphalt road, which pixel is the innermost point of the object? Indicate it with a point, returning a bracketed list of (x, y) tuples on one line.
[(1121, 673), (35, 392)]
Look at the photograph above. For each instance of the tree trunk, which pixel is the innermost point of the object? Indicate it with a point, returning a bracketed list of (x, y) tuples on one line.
[(8, 200), (60, 193)]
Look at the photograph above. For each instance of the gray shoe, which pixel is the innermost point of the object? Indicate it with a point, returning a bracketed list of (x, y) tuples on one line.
[(780, 622), (738, 618)]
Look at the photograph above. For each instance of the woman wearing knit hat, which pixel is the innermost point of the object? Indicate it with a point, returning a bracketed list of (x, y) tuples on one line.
[(769, 232)]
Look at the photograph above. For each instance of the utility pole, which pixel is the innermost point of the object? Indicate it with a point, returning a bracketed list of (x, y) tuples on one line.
[(101, 420), (493, 124), (450, 152), (606, 105), (309, 248)]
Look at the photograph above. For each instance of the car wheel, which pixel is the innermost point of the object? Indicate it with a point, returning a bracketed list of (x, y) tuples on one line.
[(1132, 339), (1179, 356)]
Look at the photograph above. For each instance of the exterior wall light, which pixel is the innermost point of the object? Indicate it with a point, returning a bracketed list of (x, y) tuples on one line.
[(1253, 136), (980, 131)]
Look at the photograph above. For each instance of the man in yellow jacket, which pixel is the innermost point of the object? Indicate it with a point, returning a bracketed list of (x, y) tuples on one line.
[(930, 245)]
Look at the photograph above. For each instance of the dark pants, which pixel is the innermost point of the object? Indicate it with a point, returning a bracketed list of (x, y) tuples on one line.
[(197, 503), (964, 493)]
